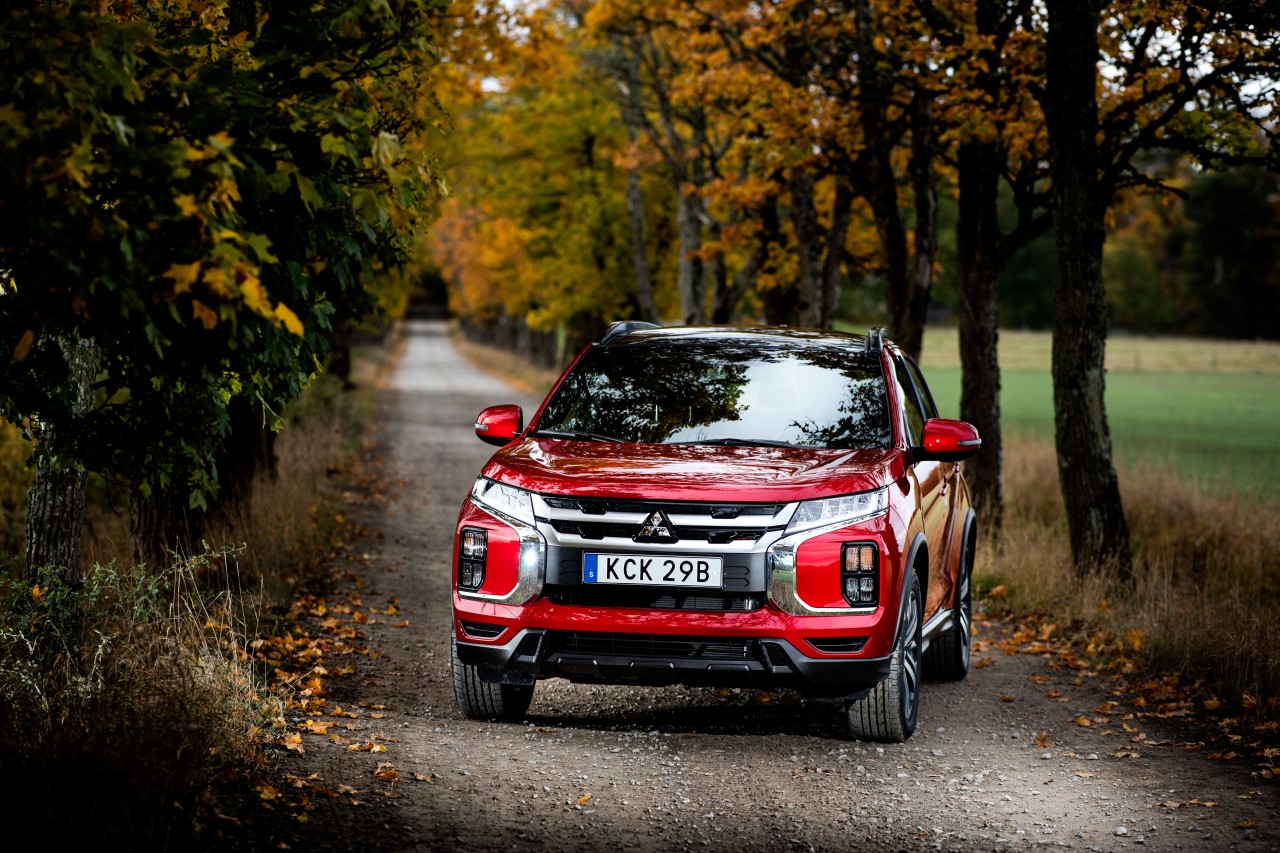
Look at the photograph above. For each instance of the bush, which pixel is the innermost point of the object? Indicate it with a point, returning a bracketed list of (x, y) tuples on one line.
[(123, 703)]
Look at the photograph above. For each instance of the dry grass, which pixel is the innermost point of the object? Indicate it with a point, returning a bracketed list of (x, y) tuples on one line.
[(123, 705), (1207, 572), (14, 482), (130, 704)]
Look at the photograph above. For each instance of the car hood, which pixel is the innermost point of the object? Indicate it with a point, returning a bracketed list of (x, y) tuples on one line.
[(689, 471)]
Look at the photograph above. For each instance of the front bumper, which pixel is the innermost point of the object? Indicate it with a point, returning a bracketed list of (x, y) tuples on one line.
[(659, 659)]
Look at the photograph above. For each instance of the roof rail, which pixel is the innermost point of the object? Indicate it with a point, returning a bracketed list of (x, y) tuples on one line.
[(876, 338), (623, 327)]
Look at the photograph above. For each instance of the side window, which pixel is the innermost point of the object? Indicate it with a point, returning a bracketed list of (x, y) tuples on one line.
[(926, 399), (910, 404)]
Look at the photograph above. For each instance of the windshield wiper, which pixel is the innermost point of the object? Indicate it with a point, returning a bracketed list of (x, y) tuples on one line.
[(573, 435), (742, 442)]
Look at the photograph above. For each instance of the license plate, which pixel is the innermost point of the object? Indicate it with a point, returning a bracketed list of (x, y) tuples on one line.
[(652, 570)]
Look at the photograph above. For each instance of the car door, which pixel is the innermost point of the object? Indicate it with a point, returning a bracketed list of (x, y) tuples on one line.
[(933, 480)]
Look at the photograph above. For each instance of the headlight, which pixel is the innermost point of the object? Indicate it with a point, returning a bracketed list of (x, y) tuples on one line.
[(839, 512), (507, 500)]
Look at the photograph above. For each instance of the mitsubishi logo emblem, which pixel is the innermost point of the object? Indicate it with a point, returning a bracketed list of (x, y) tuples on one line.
[(656, 528)]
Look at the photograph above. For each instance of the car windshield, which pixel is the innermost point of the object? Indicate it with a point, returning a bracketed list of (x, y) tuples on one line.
[(723, 392)]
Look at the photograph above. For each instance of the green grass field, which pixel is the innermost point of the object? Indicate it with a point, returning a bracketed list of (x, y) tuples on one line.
[(1209, 408)]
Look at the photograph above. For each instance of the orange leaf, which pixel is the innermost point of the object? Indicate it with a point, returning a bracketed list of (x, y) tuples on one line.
[(183, 275), (386, 772), (285, 315), (983, 663), (584, 799), (999, 591), (207, 318), (24, 345), (1082, 721)]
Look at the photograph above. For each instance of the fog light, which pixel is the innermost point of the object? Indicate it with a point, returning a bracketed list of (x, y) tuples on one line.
[(473, 547), (860, 573)]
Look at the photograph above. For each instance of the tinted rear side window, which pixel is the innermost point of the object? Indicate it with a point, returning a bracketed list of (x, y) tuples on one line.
[(691, 392)]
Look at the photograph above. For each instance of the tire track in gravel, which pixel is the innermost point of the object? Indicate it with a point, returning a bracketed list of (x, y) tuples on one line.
[(676, 768)]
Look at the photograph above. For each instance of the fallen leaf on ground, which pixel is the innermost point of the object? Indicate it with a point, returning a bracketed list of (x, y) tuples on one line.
[(386, 772), (584, 799)]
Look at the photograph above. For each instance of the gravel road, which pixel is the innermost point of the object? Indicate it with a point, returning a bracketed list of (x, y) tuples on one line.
[(676, 768)]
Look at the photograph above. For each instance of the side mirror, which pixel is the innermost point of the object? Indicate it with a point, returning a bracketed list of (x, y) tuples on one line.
[(947, 441), (499, 424)]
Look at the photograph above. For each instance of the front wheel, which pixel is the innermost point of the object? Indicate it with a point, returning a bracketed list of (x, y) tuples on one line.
[(887, 712), (480, 700)]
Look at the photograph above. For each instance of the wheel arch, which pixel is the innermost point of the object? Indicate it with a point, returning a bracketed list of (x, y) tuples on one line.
[(918, 561)]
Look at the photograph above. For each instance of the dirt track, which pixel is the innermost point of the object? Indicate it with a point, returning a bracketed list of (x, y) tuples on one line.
[(675, 768)]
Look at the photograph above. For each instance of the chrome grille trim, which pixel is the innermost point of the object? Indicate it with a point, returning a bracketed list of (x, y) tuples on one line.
[(720, 528)]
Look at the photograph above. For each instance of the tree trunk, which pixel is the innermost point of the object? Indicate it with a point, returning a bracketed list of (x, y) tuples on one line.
[(164, 522), (977, 265), (841, 213), (1090, 490), (55, 501), (911, 336), (639, 252), (804, 219), (161, 524), (880, 184), (689, 271)]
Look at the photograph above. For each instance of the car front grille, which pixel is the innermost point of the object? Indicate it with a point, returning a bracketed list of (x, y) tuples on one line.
[(698, 525), (655, 646), (597, 530)]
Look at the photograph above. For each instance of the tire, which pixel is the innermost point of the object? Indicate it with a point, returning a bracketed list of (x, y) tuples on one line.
[(479, 700), (887, 712), (947, 658)]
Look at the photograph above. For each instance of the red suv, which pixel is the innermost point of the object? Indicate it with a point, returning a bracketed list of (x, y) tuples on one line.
[(727, 506)]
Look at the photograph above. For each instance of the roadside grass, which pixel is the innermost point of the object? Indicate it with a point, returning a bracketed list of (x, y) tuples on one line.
[(135, 705), (1205, 581), (127, 705), (15, 480), (504, 364), (1213, 429)]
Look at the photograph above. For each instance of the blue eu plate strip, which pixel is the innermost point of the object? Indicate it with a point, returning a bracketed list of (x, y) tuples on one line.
[(589, 563)]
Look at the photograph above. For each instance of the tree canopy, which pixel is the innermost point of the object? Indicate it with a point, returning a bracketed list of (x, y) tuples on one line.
[(206, 192)]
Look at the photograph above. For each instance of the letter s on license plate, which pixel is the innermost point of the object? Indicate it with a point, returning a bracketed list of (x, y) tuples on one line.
[(652, 569)]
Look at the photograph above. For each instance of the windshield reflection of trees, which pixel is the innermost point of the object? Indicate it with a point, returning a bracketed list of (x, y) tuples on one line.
[(812, 396)]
